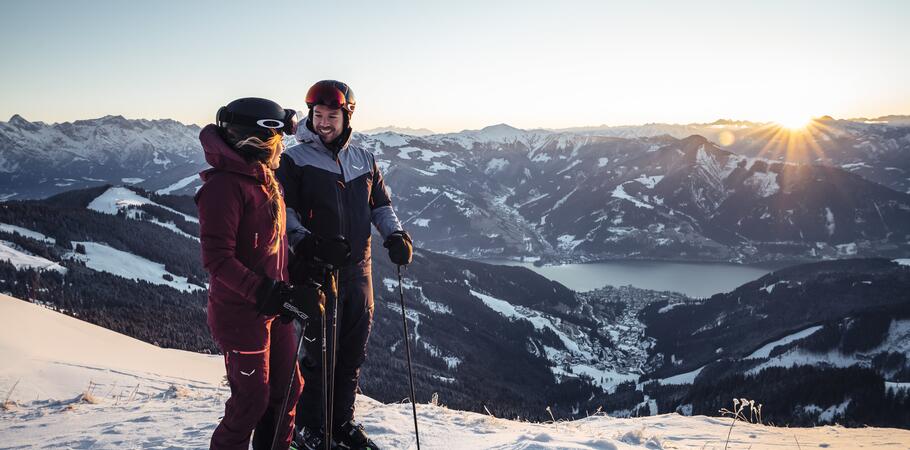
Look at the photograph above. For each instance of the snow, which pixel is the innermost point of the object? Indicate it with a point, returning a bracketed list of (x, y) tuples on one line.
[(132, 180), (427, 155), (620, 193), (569, 167), (422, 222), (896, 386), (896, 341), (117, 198), (424, 190), (501, 306), (391, 285), (567, 242), (25, 232), (22, 259), (708, 163), (437, 166), (683, 378), (846, 249), (649, 181), (829, 414), (540, 321), (178, 185), (765, 350), (496, 165), (770, 288), (829, 221), (180, 399), (764, 183), (73, 352), (103, 258), (903, 261), (602, 162), (390, 139), (563, 199), (405, 152), (452, 362), (853, 166), (532, 200)]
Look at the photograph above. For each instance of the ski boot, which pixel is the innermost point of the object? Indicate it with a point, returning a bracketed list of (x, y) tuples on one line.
[(308, 439), (351, 436)]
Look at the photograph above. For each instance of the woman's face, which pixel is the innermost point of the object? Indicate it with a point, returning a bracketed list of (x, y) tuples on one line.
[(328, 122), (275, 157)]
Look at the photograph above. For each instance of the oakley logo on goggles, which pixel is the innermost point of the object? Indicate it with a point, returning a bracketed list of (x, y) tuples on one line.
[(287, 126)]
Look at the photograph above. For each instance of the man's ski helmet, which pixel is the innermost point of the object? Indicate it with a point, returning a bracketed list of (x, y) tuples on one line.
[(335, 95), (259, 117)]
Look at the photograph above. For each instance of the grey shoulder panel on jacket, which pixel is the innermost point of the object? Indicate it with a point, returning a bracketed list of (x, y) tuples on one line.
[(356, 162), (304, 155)]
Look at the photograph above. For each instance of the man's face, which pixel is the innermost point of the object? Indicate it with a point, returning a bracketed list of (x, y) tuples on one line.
[(328, 122)]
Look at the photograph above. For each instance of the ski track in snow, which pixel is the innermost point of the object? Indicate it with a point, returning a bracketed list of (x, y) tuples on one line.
[(148, 397)]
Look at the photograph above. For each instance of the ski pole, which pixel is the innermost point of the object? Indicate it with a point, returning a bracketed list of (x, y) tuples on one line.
[(334, 350), (287, 394), (407, 346), (327, 432)]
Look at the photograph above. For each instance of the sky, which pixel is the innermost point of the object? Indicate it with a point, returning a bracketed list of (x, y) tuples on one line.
[(464, 64)]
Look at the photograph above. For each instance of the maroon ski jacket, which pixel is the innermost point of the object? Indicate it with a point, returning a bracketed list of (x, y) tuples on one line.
[(235, 221)]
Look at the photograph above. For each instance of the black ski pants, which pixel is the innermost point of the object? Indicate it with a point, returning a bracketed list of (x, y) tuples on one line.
[(355, 318)]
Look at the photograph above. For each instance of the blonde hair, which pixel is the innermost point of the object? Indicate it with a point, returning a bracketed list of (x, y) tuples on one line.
[(274, 145)]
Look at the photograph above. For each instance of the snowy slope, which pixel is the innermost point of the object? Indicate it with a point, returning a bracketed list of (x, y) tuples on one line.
[(143, 396), (120, 199), (103, 258), (22, 259)]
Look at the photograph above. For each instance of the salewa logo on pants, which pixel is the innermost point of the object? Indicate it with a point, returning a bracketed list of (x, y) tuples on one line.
[(247, 374)]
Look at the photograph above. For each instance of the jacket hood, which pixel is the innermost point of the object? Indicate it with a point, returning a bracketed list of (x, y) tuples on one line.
[(307, 136), (222, 157)]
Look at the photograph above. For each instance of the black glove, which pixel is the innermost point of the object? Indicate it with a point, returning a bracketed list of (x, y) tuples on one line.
[(280, 298), (400, 248), (334, 251)]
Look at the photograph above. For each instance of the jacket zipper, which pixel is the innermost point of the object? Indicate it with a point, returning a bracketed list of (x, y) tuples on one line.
[(339, 191), (339, 187)]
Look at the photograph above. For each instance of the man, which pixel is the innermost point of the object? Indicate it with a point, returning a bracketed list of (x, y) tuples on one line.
[(334, 191)]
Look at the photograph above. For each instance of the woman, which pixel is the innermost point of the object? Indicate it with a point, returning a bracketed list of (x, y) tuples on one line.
[(244, 249)]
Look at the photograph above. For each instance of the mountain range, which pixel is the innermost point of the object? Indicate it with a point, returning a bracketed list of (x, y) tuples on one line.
[(654, 191), (504, 339)]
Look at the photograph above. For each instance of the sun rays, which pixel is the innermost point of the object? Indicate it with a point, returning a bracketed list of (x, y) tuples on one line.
[(794, 140)]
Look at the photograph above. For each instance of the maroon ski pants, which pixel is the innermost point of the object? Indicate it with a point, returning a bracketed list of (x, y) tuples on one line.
[(258, 381)]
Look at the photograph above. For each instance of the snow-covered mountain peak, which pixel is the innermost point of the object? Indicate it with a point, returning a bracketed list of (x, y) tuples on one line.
[(399, 130), (21, 123)]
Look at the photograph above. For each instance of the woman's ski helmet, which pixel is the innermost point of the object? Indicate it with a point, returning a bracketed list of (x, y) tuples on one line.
[(259, 117)]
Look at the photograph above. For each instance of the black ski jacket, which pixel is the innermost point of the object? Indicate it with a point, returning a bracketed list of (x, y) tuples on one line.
[(330, 193)]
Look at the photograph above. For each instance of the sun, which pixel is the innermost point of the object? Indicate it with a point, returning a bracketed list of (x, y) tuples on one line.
[(795, 121)]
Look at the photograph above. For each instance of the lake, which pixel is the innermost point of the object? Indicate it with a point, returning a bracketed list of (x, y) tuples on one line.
[(691, 278)]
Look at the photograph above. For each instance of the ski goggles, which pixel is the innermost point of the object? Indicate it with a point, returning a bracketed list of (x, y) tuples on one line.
[(331, 95), (288, 125)]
